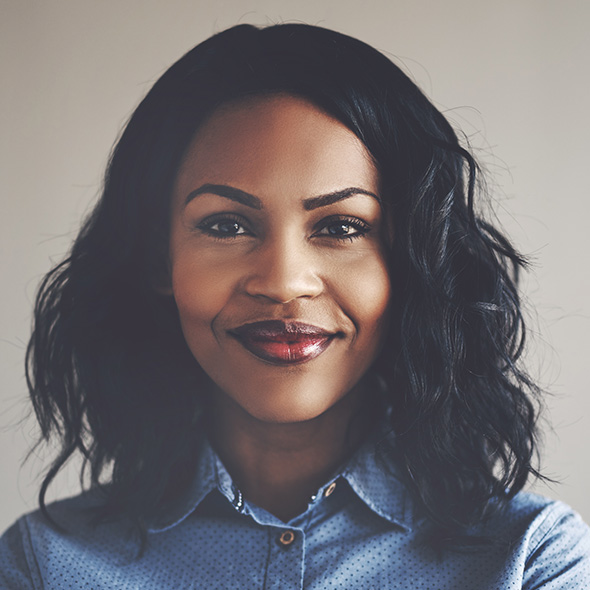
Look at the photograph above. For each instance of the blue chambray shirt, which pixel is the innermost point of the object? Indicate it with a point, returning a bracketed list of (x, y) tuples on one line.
[(360, 531)]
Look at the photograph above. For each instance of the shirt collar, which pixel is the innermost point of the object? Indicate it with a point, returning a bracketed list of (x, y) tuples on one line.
[(375, 478), (204, 482), (371, 473)]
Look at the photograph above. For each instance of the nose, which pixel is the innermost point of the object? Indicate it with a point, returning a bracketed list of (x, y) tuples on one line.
[(283, 270)]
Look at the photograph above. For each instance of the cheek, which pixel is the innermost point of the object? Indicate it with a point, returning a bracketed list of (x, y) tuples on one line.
[(365, 292), (200, 293)]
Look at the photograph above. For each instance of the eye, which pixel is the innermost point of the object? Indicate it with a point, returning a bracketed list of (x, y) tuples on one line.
[(224, 227), (342, 228)]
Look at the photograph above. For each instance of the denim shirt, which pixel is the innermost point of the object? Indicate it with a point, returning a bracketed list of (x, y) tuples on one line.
[(360, 531)]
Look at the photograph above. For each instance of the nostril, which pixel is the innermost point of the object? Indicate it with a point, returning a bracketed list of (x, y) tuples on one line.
[(284, 286)]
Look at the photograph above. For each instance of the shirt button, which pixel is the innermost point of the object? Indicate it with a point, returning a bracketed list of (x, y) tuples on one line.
[(330, 489), (286, 538)]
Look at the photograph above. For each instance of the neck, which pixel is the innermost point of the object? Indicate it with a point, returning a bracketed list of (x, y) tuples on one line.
[(280, 466)]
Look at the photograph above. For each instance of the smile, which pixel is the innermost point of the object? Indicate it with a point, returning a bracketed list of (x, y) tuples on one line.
[(283, 343)]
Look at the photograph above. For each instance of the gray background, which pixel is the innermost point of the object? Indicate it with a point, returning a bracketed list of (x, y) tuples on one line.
[(512, 74)]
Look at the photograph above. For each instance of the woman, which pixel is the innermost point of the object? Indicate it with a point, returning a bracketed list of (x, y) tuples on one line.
[(287, 346)]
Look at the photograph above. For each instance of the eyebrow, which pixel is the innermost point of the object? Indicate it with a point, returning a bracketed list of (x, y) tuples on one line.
[(240, 196), (228, 192), (325, 200)]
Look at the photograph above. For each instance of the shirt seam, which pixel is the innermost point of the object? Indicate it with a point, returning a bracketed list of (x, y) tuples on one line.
[(553, 509), (34, 570), (268, 557)]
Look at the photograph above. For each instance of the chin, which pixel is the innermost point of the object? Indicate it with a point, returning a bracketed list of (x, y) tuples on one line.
[(289, 415), (290, 406)]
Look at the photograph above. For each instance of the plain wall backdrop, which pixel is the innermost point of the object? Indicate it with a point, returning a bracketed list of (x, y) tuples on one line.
[(513, 74)]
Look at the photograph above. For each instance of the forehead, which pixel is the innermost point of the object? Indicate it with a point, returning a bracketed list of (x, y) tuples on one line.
[(264, 144)]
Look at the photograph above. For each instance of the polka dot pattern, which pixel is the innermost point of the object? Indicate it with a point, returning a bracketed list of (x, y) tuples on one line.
[(360, 531)]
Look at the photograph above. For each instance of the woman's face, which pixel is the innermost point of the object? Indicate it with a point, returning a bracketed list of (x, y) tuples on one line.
[(277, 257)]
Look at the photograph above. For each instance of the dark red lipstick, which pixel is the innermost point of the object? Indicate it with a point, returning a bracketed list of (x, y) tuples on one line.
[(283, 342)]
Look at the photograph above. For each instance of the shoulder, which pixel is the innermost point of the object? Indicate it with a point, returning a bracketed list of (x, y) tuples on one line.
[(34, 550), (18, 568), (549, 542), (537, 517)]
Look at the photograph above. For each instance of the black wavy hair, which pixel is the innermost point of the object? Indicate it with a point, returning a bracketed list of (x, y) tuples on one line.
[(109, 371)]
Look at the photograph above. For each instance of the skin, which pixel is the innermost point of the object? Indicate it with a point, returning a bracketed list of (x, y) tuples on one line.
[(283, 254)]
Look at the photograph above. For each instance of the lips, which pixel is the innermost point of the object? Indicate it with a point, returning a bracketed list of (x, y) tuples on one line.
[(283, 343)]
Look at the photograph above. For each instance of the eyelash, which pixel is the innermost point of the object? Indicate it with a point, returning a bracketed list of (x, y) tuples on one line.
[(360, 227), (206, 226)]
